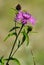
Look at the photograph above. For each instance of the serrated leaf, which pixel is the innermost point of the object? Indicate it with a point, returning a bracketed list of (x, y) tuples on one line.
[(9, 35), (14, 28), (25, 37), (14, 59)]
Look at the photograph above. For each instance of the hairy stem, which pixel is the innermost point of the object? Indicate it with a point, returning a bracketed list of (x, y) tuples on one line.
[(14, 43)]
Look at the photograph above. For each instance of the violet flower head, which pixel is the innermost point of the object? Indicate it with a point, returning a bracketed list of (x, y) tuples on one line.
[(19, 16), (32, 20), (25, 17)]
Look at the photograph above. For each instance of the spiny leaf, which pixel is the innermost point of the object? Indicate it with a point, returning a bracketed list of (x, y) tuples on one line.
[(14, 28), (14, 59), (9, 35)]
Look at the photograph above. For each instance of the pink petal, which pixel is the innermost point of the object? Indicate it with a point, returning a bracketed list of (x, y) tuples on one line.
[(32, 20), (19, 16), (26, 15), (24, 21)]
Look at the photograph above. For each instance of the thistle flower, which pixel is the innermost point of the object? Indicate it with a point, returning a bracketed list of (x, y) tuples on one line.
[(32, 20), (19, 16), (25, 17)]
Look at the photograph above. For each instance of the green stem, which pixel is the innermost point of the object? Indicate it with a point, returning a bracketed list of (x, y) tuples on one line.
[(33, 57), (15, 51), (15, 26), (14, 43), (19, 46)]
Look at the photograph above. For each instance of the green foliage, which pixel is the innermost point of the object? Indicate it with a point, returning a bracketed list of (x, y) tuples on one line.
[(14, 28), (1, 61), (25, 37), (16, 11), (9, 35), (12, 11), (14, 59)]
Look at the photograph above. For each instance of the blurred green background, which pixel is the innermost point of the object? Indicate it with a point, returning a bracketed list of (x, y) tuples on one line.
[(36, 8)]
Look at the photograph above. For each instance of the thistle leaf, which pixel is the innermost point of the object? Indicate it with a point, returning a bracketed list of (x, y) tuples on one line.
[(14, 59), (25, 37), (1, 61), (14, 28), (9, 35)]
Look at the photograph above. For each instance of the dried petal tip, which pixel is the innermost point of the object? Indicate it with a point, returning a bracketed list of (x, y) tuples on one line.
[(18, 7)]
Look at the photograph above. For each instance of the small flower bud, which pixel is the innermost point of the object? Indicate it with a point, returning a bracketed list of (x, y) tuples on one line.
[(29, 29), (18, 7)]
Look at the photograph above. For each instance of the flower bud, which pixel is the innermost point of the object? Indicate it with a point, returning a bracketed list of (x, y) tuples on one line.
[(29, 29), (18, 7)]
